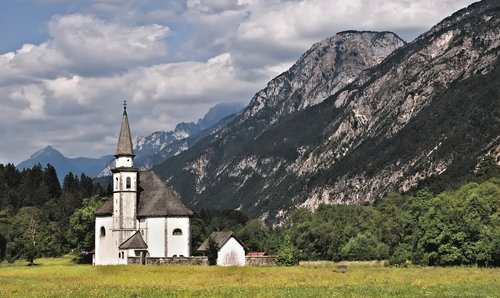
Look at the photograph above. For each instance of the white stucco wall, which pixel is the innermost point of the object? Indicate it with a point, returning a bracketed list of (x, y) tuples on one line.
[(231, 254), (155, 236), (124, 161), (106, 252), (178, 244), (123, 260)]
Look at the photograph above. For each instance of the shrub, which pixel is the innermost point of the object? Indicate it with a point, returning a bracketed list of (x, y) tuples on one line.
[(288, 255), (401, 255), (364, 246), (213, 250)]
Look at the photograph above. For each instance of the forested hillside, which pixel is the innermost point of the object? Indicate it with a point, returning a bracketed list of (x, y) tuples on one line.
[(36, 211)]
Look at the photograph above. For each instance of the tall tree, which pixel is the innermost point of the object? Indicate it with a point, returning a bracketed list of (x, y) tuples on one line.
[(32, 236), (52, 182), (254, 234), (82, 232)]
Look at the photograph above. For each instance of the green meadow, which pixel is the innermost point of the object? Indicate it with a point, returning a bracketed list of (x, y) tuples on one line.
[(61, 278)]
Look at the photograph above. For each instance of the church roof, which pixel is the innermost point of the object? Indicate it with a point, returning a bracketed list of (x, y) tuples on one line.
[(106, 209), (155, 199), (134, 242), (124, 146), (220, 238)]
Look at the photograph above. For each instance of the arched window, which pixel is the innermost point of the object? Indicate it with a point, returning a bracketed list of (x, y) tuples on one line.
[(128, 183), (177, 232), (103, 232)]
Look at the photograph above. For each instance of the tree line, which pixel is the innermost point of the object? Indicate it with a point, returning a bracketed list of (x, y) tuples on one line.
[(460, 227), (453, 227), (36, 211)]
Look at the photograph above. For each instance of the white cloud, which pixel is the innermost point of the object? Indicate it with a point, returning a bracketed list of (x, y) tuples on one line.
[(67, 90), (32, 100), (86, 45), (214, 6), (97, 41)]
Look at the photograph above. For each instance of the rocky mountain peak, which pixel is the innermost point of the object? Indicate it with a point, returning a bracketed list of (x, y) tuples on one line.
[(325, 68), (46, 151)]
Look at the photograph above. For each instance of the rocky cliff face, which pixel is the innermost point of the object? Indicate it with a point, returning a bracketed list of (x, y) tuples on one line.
[(328, 66), (431, 108)]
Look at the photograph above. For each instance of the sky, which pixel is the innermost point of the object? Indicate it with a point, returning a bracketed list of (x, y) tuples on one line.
[(66, 66)]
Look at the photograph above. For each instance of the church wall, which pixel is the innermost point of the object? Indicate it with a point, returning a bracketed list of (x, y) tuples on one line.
[(156, 236), (124, 161), (231, 254), (106, 252), (178, 245)]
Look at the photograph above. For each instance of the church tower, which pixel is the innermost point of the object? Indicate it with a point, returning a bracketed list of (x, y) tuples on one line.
[(124, 185)]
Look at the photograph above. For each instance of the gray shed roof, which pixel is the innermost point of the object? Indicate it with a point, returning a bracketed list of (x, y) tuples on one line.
[(134, 242), (124, 146), (155, 199), (220, 238)]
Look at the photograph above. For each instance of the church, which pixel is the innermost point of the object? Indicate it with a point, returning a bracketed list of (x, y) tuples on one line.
[(144, 218)]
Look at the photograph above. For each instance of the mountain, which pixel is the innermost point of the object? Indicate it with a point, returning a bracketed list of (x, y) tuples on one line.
[(160, 145), (328, 66), (63, 165), (430, 109)]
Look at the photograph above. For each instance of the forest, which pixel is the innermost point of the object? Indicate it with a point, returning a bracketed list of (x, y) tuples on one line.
[(460, 226)]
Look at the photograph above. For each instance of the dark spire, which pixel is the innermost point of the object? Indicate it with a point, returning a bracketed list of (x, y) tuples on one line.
[(124, 140)]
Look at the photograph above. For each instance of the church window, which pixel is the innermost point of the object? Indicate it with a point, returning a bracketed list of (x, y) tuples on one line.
[(129, 183), (177, 232), (142, 232), (103, 232)]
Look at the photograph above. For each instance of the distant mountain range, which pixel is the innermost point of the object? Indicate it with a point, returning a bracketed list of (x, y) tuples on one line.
[(63, 165), (359, 115), (149, 150), (160, 145)]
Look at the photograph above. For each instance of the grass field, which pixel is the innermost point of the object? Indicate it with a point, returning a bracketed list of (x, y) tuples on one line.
[(61, 278)]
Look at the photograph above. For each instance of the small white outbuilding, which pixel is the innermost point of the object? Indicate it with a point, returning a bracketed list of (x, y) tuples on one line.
[(231, 250)]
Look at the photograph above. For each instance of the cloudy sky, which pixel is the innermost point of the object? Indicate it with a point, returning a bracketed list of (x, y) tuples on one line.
[(67, 65)]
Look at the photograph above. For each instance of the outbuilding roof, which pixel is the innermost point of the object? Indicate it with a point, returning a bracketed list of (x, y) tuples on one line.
[(154, 199), (220, 238), (134, 242)]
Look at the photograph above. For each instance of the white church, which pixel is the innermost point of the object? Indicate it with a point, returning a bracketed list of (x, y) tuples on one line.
[(144, 218)]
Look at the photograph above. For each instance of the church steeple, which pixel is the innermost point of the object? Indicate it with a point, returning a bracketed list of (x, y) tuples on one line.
[(124, 147)]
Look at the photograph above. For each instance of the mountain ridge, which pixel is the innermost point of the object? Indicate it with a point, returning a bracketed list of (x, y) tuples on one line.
[(63, 165), (160, 145), (363, 140)]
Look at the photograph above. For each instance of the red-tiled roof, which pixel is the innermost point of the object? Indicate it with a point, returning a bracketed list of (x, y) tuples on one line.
[(256, 254)]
